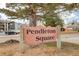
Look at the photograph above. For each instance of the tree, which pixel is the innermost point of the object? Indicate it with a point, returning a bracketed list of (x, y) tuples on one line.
[(29, 11), (53, 21)]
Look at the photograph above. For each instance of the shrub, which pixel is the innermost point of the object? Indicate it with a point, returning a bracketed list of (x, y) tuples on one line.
[(78, 30)]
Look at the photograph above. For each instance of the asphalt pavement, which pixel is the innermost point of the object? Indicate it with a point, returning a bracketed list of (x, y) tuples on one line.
[(72, 38)]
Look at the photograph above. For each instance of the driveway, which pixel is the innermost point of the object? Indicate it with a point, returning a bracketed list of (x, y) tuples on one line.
[(73, 38)]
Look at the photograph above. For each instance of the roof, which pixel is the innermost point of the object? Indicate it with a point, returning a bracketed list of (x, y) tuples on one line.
[(72, 26), (5, 21)]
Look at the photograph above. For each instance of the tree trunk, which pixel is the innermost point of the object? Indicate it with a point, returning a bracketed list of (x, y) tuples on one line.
[(33, 22)]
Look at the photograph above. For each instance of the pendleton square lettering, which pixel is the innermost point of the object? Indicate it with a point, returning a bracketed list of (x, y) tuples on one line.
[(38, 34)]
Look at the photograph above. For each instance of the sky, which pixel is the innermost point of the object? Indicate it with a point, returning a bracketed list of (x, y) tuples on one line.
[(67, 18), (71, 17), (2, 5)]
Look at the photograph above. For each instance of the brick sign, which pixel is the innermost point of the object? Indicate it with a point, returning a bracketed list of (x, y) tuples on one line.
[(39, 34)]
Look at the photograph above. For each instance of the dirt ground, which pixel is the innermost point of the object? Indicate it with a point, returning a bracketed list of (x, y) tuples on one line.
[(12, 48), (48, 49)]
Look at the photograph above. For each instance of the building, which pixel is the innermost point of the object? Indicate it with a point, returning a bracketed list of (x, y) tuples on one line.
[(3, 25), (74, 27), (9, 27)]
